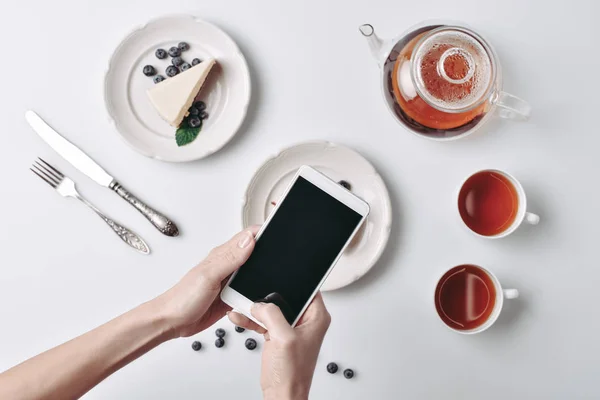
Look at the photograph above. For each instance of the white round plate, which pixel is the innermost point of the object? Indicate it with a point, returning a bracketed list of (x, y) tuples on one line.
[(226, 92), (338, 163)]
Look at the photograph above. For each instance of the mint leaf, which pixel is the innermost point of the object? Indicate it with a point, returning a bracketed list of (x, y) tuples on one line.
[(186, 134)]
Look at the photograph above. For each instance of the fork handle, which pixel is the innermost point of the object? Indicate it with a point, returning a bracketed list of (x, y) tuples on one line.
[(125, 234), (161, 222), (128, 236)]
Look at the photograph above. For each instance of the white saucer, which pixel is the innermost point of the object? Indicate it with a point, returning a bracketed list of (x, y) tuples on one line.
[(227, 91), (338, 163)]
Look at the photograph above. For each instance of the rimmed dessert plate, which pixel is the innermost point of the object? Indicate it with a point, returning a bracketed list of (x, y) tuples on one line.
[(339, 163), (226, 91)]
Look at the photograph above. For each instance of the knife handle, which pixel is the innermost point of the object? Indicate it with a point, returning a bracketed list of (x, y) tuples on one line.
[(162, 223)]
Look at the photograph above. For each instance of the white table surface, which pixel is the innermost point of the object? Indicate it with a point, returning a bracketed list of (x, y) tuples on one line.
[(62, 272)]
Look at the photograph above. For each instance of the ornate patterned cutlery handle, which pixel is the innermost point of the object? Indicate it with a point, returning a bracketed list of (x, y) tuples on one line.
[(128, 237), (162, 223), (125, 234)]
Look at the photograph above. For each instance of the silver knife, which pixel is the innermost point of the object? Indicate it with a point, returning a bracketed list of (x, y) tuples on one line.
[(89, 167)]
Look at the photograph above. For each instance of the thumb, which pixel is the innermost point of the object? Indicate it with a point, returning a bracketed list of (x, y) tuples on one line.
[(272, 318), (225, 259)]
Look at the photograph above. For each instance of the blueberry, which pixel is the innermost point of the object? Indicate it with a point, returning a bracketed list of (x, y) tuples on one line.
[(158, 78), (171, 71), (332, 368), (195, 122), (196, 346), (250, 344), (219, 332), (185, 66), (161, 54), (200, 105), (346, 185), (348, 373), (183, 46), (220, 342), (177, 61), (196, 61), (194, 111), (149, 70), (239, 329), (203, 115), (174, 51)]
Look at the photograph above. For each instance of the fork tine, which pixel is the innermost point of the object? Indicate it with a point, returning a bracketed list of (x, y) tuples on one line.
[(49, 182), (56, 181), (51, 167), (48, 172)]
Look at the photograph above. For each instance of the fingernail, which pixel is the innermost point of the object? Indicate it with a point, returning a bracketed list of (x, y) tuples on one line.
[(245, 240)]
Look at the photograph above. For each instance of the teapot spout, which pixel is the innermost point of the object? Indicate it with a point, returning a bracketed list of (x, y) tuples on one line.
[(375, 43)]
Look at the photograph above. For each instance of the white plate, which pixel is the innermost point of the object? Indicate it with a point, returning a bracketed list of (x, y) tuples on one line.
[(227, 91), (338, 163)]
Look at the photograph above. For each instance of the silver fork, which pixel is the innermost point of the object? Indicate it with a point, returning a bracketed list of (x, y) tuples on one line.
[(66, 188)]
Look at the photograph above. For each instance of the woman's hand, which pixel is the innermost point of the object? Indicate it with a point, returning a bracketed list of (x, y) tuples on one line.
[(193, 304), (70, 370), (290, 354)]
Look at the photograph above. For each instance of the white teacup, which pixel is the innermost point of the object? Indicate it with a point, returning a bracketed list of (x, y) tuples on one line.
[(500, 295), (521, 213)]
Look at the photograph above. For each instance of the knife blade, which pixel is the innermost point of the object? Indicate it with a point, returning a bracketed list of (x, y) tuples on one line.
[(89, 167), (68, 150)]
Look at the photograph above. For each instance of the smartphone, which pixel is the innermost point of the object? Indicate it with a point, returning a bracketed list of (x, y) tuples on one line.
[(297, 246)]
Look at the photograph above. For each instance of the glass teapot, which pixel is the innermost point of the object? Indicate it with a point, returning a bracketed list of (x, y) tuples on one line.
[(442, 81)]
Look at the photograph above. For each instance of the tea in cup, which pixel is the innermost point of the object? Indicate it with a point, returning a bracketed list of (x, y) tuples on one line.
[(469, 298), (492, 204)]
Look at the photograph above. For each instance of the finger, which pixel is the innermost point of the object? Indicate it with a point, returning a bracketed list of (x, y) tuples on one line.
[(270, 316), (225, 259), (245, 322), (316, 314), (254, 229), (315, 307)]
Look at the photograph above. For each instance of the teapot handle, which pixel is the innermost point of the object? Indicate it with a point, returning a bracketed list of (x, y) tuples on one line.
[(375, 43), (512, 107)]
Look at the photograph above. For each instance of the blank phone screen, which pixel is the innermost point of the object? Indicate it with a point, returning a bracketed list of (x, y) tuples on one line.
[(296, 249)]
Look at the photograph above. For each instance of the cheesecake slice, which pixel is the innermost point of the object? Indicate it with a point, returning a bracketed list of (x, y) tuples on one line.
[(172, 98)]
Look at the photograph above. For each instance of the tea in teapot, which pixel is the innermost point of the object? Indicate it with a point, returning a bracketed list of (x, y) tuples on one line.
[(442, 81)]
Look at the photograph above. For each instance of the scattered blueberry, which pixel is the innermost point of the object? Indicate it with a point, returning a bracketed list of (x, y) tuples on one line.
[(177, 61), (345, 184), (220, 342), (332, 368), (185, 66), (174, 51), (239, 329), (183, 46), (195, 122), (203, 115), (171, 71), (159, 78), (200, 105), (348, 373), (149, 70), (250, 344), (161, 54), (196, 61), (219, 332), (196, 346), (194, 111)]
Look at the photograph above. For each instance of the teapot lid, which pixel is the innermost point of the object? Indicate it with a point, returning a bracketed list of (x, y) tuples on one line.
[(453, 69)]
